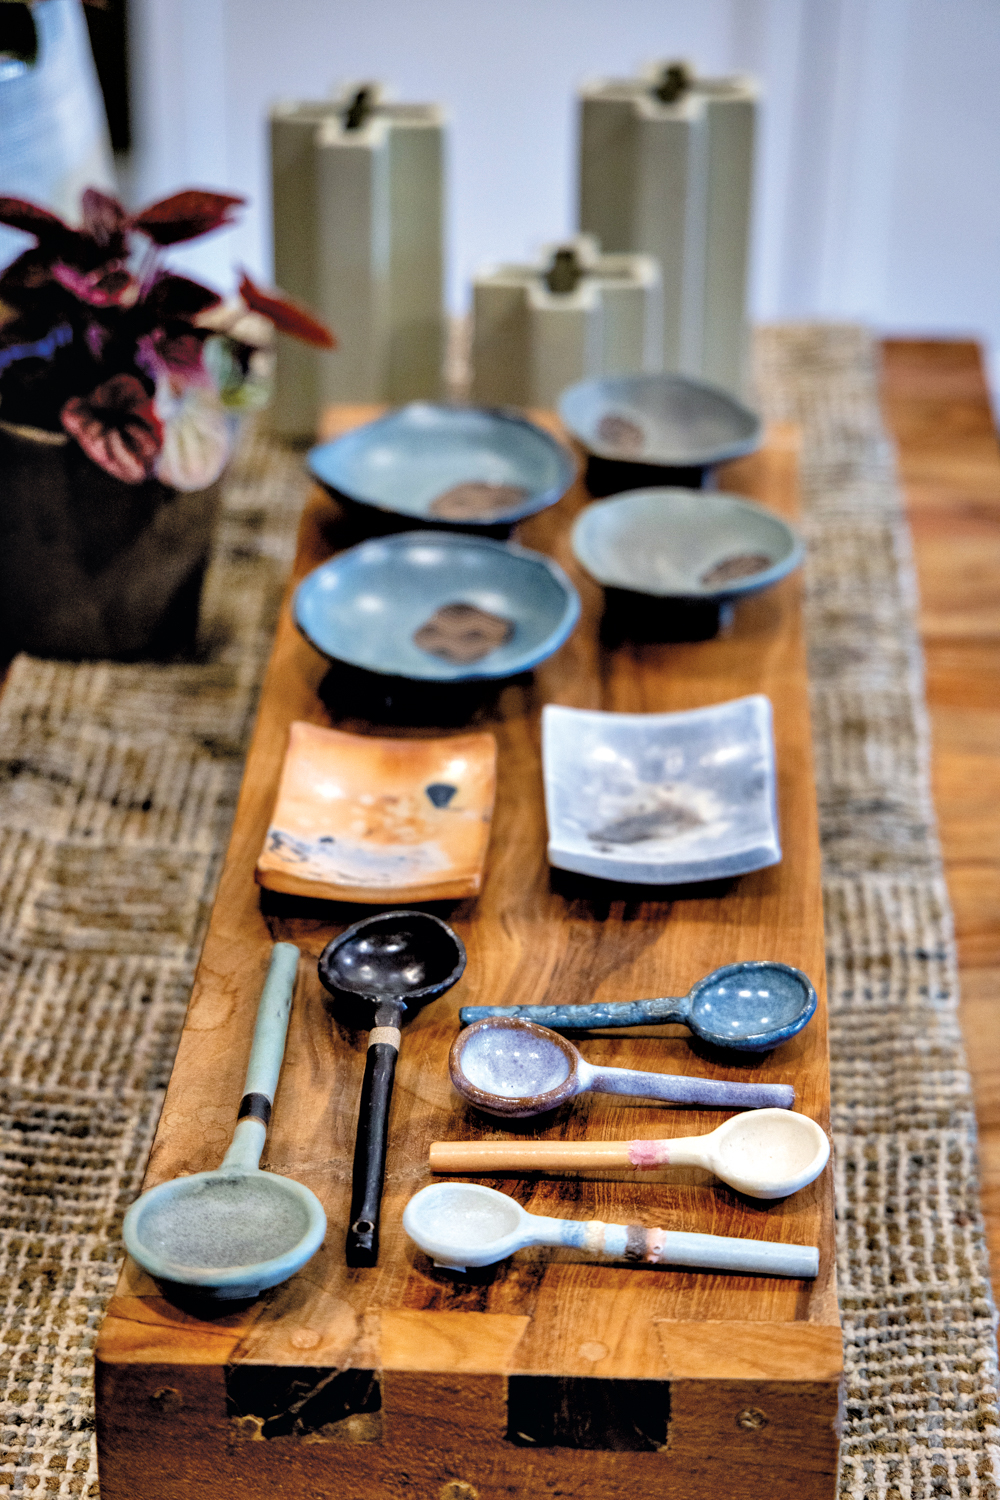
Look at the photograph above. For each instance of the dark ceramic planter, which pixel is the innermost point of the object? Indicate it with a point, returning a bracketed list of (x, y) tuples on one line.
[(91, 567)]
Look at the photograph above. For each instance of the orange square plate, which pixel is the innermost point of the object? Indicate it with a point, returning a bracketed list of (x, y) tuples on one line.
[(379, 820)]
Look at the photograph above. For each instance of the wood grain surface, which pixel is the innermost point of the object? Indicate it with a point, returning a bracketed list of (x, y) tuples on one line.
[(937, 407), (451, 1350)]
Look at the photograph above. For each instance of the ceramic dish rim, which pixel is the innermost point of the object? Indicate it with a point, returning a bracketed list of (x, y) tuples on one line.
[(556, 638), (538, 500), (721, 868), (704, 459), (751, 584), (429, 991), (221, 1281)]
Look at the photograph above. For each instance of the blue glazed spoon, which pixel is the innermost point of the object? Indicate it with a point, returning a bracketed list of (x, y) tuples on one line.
[(746, 1007)]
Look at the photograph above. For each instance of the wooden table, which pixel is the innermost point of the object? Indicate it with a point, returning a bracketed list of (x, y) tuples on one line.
[(407, 1381)]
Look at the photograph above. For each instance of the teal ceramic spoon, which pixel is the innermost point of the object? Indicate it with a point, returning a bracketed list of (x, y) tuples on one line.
[(745, 1007), (231, 1233)]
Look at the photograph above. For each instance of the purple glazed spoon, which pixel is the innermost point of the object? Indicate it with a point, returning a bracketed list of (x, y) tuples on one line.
[(515, 1068)]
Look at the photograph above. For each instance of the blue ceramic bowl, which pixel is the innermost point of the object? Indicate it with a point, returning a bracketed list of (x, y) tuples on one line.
[(682, 544), (404, 463), (665, 420), (365, 605)]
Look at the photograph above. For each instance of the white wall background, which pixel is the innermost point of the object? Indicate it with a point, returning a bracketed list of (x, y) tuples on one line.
[(879, 168)]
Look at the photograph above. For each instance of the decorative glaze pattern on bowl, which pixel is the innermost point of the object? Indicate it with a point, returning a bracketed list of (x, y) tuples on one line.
[(667, 420), (377, 820), (409, 462), (685, 544), (365, 606), (661, 799)]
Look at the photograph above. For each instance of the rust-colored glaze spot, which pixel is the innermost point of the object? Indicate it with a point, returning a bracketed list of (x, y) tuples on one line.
[(739, 566), (621, 433), (462, 633), (475, 500)]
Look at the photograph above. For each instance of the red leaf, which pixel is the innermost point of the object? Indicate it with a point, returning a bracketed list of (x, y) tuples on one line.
[(173, 296), (20, 214), (186, 215), (117, 427), (104, 219), (287, 316)]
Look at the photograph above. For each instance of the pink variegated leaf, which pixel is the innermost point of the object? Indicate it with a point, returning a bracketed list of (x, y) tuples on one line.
[(117, 427)]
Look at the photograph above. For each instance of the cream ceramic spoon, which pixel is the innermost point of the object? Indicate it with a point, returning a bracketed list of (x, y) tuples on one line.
[(461, 1224), (767, 1153)]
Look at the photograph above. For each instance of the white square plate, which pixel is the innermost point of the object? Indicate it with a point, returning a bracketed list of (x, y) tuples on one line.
[(661, 799)]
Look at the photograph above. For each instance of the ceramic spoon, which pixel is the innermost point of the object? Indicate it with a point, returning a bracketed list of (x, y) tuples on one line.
[(747, 1007), (389, 966), (768, 1153), (514, 1068), (235, 1231), (460, 1224)]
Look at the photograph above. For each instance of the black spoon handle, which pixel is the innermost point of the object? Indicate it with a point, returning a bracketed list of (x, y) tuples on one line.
[(372, 1137)]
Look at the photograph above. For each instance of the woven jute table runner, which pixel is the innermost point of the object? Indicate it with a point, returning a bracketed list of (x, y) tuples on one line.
[(117, 788)]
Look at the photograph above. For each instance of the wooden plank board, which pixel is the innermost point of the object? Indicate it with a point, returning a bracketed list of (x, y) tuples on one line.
[(735, 1370)]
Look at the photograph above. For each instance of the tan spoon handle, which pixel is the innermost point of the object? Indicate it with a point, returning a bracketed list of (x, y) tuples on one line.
[(545, 1156)]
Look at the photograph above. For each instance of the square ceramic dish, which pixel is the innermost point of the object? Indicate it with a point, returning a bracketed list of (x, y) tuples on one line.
[(380, 820), (661, 799)]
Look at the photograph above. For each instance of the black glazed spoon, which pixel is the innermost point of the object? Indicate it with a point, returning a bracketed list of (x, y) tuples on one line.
[(389, 965)]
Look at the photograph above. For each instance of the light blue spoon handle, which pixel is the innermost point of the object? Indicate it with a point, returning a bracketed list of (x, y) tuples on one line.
[(680, 1088), (266, 1052), (586, 1017), (715, 1252), (268, 1046)]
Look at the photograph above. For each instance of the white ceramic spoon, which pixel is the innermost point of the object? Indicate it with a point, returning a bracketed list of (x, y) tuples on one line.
[(767, 1154), (461, 1224)]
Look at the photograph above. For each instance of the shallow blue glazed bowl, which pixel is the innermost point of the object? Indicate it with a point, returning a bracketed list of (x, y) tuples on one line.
[(665, 420), (665, 543), (401, 463), (364, 605)]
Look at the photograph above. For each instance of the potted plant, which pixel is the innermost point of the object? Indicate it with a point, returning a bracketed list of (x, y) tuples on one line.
[(121, 387)]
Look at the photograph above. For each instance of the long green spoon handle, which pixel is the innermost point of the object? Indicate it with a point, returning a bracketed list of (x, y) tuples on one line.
[(266, 1052), (586, 1017)]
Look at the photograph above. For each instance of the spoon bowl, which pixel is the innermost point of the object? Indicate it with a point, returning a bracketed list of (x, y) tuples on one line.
[(744, 1007), (769, 1153), (228, 1234), (409, 957), (514, 1068)]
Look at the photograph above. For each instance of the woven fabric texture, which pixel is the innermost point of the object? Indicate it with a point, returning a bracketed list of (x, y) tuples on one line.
[(117, 788)]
